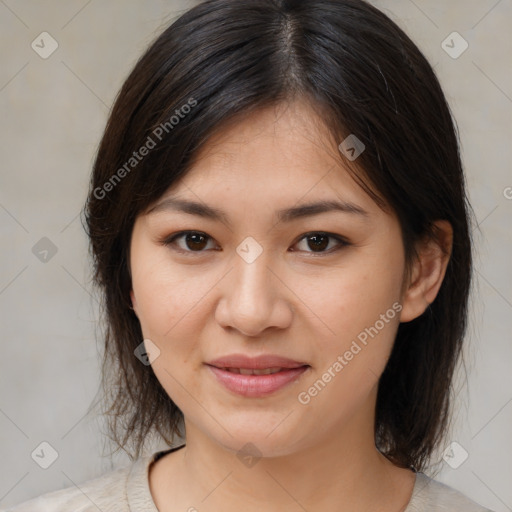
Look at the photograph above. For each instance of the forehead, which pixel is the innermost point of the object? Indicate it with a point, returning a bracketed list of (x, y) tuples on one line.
[(280, 154)]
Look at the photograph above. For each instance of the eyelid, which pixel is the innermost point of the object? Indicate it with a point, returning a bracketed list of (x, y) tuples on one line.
[(170, 241)]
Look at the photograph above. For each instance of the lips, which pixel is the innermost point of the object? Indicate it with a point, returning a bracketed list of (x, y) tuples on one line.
[(263, 361), (256, 376), (254, 371)]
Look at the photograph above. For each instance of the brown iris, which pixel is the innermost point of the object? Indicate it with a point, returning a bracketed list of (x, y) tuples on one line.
[(318, 242), (196, 241)]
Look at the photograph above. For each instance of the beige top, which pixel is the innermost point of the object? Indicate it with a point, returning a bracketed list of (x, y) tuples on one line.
[(127, 490)]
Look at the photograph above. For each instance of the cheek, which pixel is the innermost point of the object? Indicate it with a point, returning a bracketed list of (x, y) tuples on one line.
[(168, 305), (363, 312), (358, 298), (165, 297), (157, 306), (172, 307), (361, 307)]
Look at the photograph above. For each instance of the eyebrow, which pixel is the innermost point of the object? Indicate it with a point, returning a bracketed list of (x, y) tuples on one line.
[(284, 215)]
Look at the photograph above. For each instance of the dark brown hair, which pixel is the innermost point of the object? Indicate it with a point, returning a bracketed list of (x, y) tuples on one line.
[(225, 58)]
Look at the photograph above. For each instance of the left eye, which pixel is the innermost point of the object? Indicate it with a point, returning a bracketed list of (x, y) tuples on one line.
[(319, 242), (197, 241)]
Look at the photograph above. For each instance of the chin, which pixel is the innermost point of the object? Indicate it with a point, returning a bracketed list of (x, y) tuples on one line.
[(258, 439)]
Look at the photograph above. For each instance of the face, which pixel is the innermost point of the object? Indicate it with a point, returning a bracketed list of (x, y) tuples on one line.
[(250, 278)]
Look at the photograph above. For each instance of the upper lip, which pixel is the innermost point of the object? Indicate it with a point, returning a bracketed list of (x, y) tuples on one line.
[(258, 362)]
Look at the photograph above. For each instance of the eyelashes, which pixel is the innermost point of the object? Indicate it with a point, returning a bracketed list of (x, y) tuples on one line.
[(197, 242)]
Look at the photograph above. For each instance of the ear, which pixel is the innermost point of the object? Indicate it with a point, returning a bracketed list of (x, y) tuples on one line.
[(428, 271)]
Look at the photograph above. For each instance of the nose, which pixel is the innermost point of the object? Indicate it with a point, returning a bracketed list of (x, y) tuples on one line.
[(254, 298)]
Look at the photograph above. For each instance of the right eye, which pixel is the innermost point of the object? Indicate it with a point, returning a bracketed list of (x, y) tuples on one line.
[(188, 241)]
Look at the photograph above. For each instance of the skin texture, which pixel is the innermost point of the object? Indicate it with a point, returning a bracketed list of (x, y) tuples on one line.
[(293, 300)]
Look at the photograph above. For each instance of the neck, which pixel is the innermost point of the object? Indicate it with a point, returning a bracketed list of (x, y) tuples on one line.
[(341, 471)]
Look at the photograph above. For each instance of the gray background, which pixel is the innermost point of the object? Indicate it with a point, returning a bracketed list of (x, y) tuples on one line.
[(53, 112)]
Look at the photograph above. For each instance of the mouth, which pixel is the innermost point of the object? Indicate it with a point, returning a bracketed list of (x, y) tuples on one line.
[(257, 376), (254, 371)]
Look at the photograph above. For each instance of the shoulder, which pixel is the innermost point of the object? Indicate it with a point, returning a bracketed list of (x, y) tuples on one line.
[(106, 493), (430, 495)]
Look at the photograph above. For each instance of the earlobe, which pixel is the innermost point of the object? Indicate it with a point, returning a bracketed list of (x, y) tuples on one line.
[(428, 271)]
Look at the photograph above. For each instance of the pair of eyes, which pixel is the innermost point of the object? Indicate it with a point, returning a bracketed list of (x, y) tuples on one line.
[(197, 241)]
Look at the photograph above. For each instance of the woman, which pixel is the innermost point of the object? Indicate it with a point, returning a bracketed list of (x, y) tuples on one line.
[(279, 226)]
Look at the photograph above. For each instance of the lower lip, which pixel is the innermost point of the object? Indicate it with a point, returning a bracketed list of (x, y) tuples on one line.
[(257, 385)]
